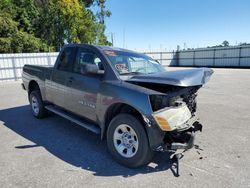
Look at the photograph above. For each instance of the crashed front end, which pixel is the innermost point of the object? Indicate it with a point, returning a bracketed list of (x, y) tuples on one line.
[(175, 115), (173, 121)]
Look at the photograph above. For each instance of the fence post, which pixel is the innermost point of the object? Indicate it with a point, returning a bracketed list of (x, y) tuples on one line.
[(194, 58), (177, 58), (214, 57), (14, 67), (239, 56), (49, 60), (161, 56)]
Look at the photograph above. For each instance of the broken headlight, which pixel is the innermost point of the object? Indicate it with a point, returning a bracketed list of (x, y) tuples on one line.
[(172, 118)]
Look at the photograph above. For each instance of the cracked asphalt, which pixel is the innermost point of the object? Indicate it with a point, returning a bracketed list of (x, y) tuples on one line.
[(53, 152)]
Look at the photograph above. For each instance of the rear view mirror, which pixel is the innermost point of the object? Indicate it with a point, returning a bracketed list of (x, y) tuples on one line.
[(91, 69)]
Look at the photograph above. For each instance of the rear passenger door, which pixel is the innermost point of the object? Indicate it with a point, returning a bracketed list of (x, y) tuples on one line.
[(83, 88), (56, 88)]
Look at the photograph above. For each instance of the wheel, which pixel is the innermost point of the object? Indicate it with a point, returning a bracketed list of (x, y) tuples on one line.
[(128, 142), (37, 105)]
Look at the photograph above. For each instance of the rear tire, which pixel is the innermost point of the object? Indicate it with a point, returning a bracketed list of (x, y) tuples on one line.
[(128, 142), (37, 105)]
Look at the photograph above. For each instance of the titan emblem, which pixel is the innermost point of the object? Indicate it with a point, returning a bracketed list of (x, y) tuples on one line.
[(87, 104)]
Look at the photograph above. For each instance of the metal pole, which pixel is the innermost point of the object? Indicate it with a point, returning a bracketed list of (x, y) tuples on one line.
[(49, 60), (161, 56), (14, 68), (177, 58), (240, 55), (194, 58), (123, 37), (214, 57), (112, 39)]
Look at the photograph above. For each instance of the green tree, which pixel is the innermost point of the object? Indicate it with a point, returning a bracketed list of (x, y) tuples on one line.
[(65, 21), (101, 15), (49, 24), (12, 40), (26, 14), (70, 21), (8, 26), (225, 43)]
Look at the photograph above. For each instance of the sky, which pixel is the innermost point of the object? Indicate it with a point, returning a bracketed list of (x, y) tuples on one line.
[(164, 24)]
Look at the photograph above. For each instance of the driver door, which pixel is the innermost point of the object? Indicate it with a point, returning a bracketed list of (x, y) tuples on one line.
[(83, 88)]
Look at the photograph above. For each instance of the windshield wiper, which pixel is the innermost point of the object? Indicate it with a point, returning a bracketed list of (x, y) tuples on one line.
[(127, 73)]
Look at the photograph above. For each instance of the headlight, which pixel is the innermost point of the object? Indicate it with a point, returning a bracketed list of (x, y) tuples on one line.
[(170, 119)]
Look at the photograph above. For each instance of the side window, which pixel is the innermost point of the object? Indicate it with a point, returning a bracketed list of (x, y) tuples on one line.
[(66, 57), (85, 57)]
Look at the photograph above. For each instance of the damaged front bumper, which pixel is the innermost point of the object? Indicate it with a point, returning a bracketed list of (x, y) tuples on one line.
[(172, 128), (180, 140), (184, 139), (179, 127)]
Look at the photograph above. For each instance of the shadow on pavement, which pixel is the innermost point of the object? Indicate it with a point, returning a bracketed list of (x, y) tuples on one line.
[(73, 144)]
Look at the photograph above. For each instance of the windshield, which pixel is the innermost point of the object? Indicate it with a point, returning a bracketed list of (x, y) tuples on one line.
[(132, 63)]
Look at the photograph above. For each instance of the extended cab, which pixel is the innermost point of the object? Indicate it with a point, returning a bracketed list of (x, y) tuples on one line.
[(124, 96)]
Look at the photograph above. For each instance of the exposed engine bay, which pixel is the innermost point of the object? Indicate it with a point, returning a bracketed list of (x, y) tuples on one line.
[(174, 95)]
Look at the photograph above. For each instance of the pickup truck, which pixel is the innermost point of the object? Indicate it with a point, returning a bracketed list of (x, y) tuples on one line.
[(126, 97)]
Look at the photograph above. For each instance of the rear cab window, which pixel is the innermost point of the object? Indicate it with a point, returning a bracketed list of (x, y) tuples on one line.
[(66, 59)]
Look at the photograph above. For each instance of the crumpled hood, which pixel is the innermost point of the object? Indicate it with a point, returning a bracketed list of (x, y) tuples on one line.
[(187, 77)]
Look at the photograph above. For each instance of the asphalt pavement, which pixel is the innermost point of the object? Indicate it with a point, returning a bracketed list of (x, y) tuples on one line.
[(54, 152)]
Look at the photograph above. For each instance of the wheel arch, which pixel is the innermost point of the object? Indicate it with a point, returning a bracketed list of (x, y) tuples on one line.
[(33, 85), (118, 108)]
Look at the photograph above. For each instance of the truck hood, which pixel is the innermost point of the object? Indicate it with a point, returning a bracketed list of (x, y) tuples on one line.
[(184, 78)]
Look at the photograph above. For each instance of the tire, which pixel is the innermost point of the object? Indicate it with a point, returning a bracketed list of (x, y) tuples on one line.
[(120, 149), (37, 105)]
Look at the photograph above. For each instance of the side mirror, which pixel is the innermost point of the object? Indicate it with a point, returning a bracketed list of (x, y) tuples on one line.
[(91, 69)]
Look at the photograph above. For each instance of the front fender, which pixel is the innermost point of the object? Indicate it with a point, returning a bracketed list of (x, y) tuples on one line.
[(131, 95)]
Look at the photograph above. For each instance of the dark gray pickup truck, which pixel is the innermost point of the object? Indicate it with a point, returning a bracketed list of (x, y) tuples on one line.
[(126, 97)]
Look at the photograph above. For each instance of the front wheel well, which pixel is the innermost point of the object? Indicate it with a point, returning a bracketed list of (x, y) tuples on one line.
[(33, 85), (119, 108)]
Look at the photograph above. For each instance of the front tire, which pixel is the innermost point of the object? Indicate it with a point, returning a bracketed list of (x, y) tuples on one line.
[(128, 142), (37, 105)]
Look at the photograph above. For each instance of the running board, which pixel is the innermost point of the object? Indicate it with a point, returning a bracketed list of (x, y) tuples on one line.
[(73, 118)]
